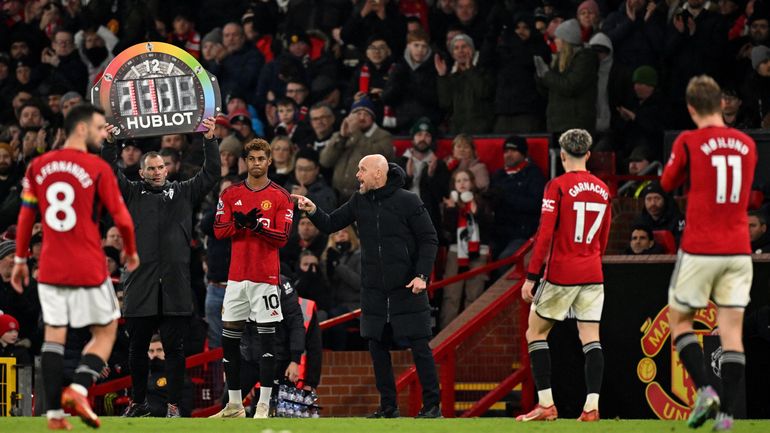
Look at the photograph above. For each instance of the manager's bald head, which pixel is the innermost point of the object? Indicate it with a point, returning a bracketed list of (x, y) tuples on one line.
[(372, 172)]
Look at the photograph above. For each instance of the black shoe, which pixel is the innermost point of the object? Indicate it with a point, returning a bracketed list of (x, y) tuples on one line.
[(137, 410), (433, 412), (388, 412), (173, 411)]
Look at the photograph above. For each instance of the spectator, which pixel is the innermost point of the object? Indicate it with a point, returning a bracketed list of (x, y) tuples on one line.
[(467, 90), (230, 151), (291, 65), (113, 239), (95, 45), (240, 122), (223, 129), (342, 259), (10, 346), (10, 172), (642, 242), (322, 121), (638, 163), (760, 238), (31, 116), (371, 77), (372, 17), (239, 70), (310, 281), (755, 91), (469, 21), (464, 157), (213, 51), (61, 64), (308, 181), (69, 100), (515, 192), (426, 174), (441, 16), (411, 87), (325, 90), (695, 43), (614, 84), (24, 307), (157, 382), (589, 18), (358, 136), (518, 106), (468, 221), (282, 168), (759, 34), (307, 237), (642, 122), (184, 34), (158, 293), (570, 82), (288, 125), (130, 155), (734, 113), (173, 161), (660, 212), (297, 91), (113, 261)]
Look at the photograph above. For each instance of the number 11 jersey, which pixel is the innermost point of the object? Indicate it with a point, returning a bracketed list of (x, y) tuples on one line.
[(720, 163), (574, 228), (69, 188)]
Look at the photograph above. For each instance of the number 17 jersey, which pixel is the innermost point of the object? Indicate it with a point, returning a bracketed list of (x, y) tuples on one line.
[(720, 163), (574, 228)]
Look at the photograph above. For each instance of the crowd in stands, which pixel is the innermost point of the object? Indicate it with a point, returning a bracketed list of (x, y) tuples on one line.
[(327, 82)]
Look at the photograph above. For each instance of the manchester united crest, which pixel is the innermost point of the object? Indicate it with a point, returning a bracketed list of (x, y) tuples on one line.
[(266, 204)]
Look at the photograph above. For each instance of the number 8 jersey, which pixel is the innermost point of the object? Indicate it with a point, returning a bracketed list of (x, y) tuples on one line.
[(69, 187), (720, 163), (574, 227)]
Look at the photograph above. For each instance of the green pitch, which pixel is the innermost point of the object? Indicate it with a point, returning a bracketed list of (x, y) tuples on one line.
[(358, 425)]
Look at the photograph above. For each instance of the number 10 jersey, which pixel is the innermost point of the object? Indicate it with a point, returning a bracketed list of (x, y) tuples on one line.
[(720, 163), (69, 187), (574, 228)]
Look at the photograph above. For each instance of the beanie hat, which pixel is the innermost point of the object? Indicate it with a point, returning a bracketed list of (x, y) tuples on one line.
[(215, 36), (231, 145), (8, 323), (759, 54), (516, 142), (462, 37), (422, 124), (645, 75), (576, 142), (363, 104), (240, 115), (569, 32), (653, 187), (67, 96), (591, 5), (222, 120), (7, 247)]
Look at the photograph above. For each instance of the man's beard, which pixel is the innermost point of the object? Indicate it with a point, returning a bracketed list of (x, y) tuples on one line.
[(5, 169), (422, 146)]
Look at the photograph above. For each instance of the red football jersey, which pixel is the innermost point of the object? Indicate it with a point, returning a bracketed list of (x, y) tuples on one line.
[(254, 256), (69, 188), (573, 232), (720, 162)]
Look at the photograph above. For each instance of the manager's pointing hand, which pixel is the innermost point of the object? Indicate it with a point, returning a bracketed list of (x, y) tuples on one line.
[(304, 203)]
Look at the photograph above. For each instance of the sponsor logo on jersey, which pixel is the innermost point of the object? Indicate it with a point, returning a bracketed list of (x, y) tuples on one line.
[(238, 203), (548, 205), (266, 204), (289, 214), (655, 337)]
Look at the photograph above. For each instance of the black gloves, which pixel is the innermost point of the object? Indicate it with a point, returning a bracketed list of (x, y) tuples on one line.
[(248, 221)]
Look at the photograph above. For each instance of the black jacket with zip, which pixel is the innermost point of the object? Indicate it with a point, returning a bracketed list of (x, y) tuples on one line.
[(398, 243), (163, 222)]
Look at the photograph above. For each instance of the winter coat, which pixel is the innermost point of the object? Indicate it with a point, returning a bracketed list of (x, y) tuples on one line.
[(672, 219), (343, 154), (432, 188), (238, 73), (572, 93), (469, 97), (516, 199), (346, 280), (638, 42), (515, 92), (398, 243), (163, 226), (319, 191), (358, 30), (378, 79), (411, 91)]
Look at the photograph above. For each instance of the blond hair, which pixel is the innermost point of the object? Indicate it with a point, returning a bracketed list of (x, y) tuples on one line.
[(704, 95)]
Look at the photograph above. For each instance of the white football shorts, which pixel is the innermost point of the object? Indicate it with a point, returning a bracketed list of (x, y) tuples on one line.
[(78, 306), (247, 300), (697, 278)]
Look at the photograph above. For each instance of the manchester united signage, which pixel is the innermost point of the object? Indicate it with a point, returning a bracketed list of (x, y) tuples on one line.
[(156, 88)]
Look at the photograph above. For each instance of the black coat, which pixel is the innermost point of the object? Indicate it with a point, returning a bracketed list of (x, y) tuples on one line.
[(412, 93), (433, 189), (163, 226), (516, 199), (398, 243)]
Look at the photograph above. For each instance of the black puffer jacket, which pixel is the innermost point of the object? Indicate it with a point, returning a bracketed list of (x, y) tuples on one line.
[(411, 91), (398, 243), (163, 221)]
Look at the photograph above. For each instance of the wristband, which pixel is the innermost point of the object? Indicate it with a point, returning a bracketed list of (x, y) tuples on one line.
[(19, 260)]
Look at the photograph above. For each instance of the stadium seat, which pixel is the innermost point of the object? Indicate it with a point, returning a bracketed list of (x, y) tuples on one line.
[(756, 198), (665, 239)]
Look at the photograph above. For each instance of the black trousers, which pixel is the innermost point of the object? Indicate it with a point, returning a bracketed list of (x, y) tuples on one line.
[(172, 331), (383, 369)]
